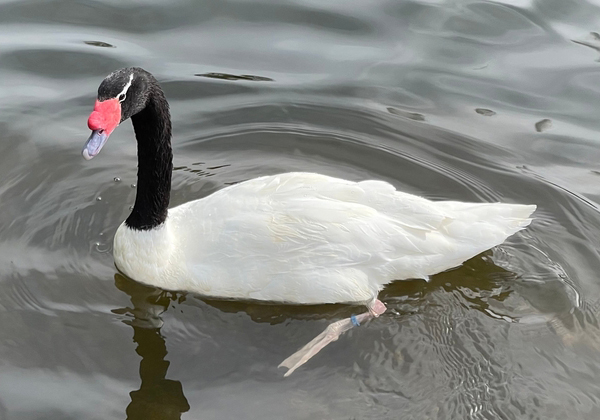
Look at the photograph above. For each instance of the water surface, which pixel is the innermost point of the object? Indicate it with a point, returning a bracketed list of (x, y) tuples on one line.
[(452, 99)]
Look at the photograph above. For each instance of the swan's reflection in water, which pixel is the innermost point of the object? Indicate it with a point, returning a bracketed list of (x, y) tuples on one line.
[(438, 306), (157, 397)]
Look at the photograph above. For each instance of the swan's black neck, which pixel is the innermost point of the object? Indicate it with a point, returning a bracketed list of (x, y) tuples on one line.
[(152, 128)]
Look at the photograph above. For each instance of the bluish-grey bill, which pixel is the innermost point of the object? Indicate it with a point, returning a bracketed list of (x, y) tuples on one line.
[(94, 144)]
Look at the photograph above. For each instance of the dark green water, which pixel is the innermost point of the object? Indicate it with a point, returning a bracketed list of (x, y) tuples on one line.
[(462, 100)]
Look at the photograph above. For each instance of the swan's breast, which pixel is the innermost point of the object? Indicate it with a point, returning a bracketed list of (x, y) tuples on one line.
[(148, 256)]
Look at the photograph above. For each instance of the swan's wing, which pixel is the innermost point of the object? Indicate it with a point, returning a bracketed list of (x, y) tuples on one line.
[(416, 212), (313, 212), (287, 233)]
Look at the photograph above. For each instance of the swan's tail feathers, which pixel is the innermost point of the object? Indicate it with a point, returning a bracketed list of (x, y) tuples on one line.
[(463, 231), (521, 213), (512, 216), (487, 224)]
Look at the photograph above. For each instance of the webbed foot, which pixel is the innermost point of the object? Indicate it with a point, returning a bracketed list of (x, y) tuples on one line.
[(331, 333)]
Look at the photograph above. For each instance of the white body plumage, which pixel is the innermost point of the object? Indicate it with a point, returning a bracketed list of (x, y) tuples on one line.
[(308, 238)]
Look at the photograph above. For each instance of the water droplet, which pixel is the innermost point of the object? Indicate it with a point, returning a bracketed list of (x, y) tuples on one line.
[(117, 179), (101, 233), (130, 207), (485, 112), (102, 248), (133, 185), (98, 198)]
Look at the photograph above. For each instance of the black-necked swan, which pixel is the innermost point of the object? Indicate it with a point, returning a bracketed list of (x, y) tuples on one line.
[(297, 238)]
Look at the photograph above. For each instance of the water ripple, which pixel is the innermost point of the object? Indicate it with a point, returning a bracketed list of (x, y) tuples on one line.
[(381, 89)]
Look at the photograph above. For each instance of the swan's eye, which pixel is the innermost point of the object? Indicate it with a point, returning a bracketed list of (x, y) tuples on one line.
[(121, 97)]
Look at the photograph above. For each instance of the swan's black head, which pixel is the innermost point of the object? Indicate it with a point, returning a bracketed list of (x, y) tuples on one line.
[(121, 95)]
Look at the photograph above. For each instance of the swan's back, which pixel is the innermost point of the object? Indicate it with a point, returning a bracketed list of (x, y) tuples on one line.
[(309, 238)]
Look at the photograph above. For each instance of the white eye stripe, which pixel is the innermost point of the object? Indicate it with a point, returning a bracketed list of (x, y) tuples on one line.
[(124, 91)]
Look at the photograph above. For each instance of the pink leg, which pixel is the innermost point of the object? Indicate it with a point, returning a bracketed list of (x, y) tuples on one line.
[(376, 308), (331, 333)]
